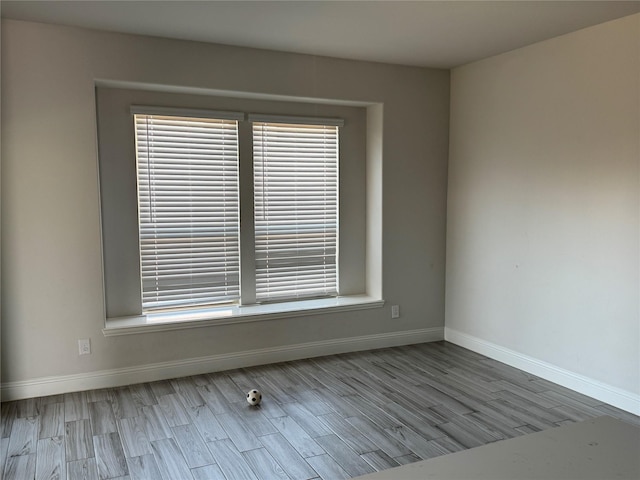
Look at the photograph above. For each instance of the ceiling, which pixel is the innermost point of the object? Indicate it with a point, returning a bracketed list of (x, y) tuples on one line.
[(422, 33)]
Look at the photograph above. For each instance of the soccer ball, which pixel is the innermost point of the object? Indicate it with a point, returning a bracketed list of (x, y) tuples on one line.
[(254, 397)]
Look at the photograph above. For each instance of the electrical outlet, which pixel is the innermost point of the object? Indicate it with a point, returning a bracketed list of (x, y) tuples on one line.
[(395, 311), (84, 346)]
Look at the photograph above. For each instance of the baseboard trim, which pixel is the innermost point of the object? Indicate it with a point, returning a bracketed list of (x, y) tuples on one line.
[(213, 363), (617, 397)]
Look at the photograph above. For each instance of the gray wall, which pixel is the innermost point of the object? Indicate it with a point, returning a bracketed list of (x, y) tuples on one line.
[(52, 282), (543, 203)]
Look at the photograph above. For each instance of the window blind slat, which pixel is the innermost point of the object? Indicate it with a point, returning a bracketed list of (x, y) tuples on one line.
[(188, 210), (296, 209), (176, 114)]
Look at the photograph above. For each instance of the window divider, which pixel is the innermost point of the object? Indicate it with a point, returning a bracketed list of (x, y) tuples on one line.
[(247, 226)]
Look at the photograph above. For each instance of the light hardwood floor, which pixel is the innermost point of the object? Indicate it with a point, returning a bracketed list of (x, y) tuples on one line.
[(332, 417)]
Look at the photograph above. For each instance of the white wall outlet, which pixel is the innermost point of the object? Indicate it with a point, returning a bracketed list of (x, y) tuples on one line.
[(395, 311), (84, 346)]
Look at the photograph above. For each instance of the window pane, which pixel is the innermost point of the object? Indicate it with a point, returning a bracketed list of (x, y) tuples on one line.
[(296, 210), (188, 210)]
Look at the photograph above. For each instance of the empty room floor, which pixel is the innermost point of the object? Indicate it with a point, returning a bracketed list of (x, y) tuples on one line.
[(332, 417)]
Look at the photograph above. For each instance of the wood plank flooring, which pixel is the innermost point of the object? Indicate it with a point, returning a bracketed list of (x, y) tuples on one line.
[(325, 418)]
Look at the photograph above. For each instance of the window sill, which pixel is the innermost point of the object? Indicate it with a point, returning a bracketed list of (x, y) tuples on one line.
[(161, 322)]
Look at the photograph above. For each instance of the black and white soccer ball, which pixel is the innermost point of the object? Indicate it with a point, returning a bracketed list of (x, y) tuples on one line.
[(254, 397)]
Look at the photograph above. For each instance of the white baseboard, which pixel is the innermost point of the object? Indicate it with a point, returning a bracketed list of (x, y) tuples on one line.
[(617, 397), (213, 363)]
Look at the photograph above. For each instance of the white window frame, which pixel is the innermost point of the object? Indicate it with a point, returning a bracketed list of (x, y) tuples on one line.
[(324, 252), (191, 219), (257, 122)]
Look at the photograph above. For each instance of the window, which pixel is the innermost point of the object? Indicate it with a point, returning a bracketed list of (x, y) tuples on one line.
[(189, 209), (296, 216)]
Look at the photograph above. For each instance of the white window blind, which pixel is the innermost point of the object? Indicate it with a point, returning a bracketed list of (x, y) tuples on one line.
[(296, 209), (188, 209)]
